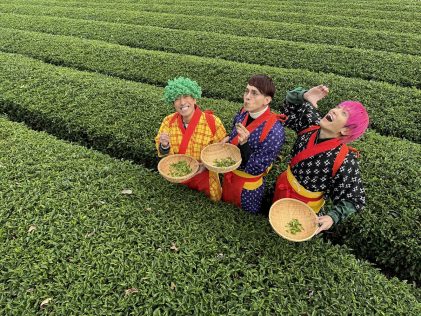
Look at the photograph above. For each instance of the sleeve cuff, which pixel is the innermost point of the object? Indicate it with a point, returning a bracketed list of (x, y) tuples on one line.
[(164, 151), (296, 96), (341, 211), (334, 216), (245, 151)]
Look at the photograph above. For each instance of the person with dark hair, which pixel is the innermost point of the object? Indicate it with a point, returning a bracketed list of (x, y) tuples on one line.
[(322, 165), (188, 131), (260, 136)]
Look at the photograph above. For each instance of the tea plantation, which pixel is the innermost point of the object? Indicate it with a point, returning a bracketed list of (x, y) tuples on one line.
[(87, 225)]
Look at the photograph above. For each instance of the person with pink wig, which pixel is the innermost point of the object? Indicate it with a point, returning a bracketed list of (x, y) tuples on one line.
[(322, 165)]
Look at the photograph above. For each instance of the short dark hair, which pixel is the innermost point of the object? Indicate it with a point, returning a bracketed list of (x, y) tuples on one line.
[(264, 84)]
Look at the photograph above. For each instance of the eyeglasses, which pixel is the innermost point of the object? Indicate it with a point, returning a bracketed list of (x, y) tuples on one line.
[(253, 93)]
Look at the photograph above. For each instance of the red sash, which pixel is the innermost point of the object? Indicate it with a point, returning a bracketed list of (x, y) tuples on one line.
[(314, 149), (233, 186), (309, 129), (199, 182), (283, 189), (268, 117), (187, 132)]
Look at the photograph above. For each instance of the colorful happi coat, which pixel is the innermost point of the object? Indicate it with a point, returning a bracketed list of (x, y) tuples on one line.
[(203, 129), (245, 186), (319, 169)]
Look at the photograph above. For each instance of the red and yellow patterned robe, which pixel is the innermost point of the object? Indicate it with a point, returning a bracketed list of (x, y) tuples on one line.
[(201, 136)]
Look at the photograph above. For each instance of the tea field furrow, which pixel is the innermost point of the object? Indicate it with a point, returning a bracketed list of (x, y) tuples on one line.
[(122, 117), (399, 69), (392, 108), (256, 14), (75, 240), (348, 37)]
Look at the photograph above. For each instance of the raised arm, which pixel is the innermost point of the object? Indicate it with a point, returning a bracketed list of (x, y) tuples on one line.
[(300, 107)]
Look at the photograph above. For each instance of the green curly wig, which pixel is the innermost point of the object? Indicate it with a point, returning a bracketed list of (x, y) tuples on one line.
[(181, 86)]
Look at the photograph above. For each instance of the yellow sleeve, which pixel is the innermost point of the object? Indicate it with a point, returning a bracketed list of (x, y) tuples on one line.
[(164, 128), (220, 132)]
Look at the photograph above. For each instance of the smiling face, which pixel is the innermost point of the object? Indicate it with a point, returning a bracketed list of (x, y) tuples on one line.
[(185, 106), (254, 101), (333, 124)]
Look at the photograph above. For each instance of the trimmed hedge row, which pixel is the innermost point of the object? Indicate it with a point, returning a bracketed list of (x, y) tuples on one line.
[(353, 38), (398, 5), (325, 8), (121, 118), (381, 6), (77, 241), (392, 108), (366, 64), (257, 14)]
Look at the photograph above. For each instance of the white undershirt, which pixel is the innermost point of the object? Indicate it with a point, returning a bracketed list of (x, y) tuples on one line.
[(256, 115)]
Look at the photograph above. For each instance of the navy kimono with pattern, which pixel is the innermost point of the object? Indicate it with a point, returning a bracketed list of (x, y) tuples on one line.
[(263, 155)]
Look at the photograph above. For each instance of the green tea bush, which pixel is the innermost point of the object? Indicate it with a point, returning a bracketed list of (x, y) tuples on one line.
[(343, 36), (122, 117), (403, 11), (256, 14), (82, 233), (391, 108), (349, 62)]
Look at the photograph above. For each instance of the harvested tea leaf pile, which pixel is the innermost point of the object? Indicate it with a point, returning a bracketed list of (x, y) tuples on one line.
[(224, 162), (294, 226), (179, 169)]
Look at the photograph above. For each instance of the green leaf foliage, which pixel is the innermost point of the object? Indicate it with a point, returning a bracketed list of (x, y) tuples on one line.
[(349, 62), (407, 43), (246, 14), (69, 235), (122, 117), (391, 108)]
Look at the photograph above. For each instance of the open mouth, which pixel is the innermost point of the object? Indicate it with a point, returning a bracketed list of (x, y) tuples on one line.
[(329, 117), (184, 108)]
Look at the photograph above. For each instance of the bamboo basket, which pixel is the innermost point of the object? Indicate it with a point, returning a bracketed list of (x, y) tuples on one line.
[(220, 151), (164, 167), (285, 210)]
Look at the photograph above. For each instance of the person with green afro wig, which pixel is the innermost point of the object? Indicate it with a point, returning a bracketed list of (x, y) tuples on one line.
[(181, 86), (188, 131)]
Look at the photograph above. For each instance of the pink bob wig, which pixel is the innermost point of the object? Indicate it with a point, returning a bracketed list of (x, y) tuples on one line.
[(357, 120)]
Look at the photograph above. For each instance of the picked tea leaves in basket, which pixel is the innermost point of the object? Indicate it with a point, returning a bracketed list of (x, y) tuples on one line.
[(178, 168)]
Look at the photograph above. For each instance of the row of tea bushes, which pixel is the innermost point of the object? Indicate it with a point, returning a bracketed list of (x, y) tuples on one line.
[(349, 62), (122, 118), (403, 11), (392, 109), (348, 37), (246, 14), (382, 6), (78, 242)]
